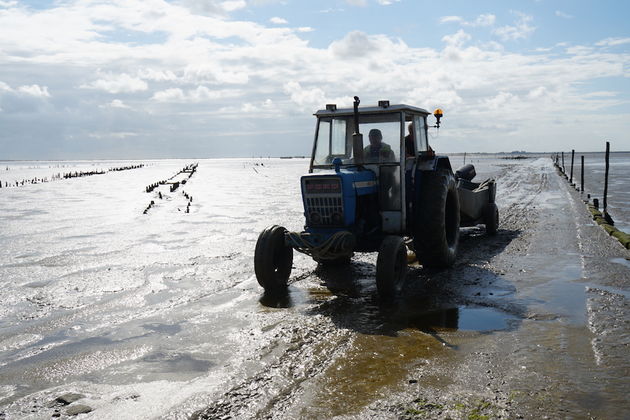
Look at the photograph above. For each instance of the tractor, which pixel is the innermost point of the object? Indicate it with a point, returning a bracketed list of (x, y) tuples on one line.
[(384, 196)]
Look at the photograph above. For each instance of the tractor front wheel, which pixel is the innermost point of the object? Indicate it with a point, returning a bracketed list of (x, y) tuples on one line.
[(273, 259), (391, 266)]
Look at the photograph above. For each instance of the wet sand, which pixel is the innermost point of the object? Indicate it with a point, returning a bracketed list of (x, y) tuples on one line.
[(530, 323)]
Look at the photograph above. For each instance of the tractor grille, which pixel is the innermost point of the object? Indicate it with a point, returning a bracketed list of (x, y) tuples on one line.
[(323, 202), (324, 211)]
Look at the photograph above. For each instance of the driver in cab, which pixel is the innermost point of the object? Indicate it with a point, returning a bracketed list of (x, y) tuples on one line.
[(378, 151)]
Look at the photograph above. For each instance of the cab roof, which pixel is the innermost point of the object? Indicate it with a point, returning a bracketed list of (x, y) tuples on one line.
[(372, 110)]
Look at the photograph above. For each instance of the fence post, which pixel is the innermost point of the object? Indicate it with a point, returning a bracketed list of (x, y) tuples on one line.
[(582, 176), (572, 157), (606, 176), (563, 162)]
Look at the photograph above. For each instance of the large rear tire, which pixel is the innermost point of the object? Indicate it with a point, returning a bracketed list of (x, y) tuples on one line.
[(491, 218), (273, 259), (391, 266), (436, 224)]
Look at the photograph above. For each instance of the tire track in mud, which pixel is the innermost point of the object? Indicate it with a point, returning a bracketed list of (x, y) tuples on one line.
[(512, 181), (294, 355)]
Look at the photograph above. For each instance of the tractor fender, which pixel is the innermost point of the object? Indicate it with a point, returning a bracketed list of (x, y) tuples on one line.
[(435, 163), (443, 162)]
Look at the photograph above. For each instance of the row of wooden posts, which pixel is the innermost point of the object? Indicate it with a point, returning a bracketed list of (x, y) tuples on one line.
[(559, 162), (67, 175), (174, 185)]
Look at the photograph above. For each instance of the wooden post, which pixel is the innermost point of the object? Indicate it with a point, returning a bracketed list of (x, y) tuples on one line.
[(606, 176), (572, 158), (582, 176), (562, 162)]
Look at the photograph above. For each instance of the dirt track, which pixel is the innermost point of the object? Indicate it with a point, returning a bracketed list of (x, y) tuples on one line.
[(530, 323)]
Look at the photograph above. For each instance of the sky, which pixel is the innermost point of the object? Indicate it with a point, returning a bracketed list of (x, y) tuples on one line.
[(134, 79)]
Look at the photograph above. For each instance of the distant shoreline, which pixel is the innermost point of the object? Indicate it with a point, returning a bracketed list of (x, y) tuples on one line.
[(290, 157)]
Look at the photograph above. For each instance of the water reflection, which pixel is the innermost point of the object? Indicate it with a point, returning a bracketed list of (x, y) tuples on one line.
[(280, 299)]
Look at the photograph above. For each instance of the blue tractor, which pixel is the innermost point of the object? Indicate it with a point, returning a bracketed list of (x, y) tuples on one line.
[(383, 196)]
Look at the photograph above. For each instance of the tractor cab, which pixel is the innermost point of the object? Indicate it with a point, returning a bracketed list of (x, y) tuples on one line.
[(375, 164)]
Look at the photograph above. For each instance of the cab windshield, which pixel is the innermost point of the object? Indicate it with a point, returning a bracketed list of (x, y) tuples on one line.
[(381, 139)]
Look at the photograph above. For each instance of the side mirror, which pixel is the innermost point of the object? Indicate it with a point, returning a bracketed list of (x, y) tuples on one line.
[(438, 114)]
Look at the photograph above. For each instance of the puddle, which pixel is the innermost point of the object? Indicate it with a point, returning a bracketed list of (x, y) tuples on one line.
[(622, 261), (463, 319)]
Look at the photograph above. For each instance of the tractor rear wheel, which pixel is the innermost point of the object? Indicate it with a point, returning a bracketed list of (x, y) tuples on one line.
[(491, 218), (436, 220), (273, 259), (391, 266)]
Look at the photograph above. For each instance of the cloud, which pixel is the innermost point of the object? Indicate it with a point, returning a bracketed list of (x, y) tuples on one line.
[(116, 103), (330, 10), (564, 15), (213, 7), (361, 3), (5, 87), (117, 83), (278, 20), (386, 2), (357, 44), (197, 95), (188, 72), (612, 42), (35, 90), (520, 30), (481, 20), (169, 95), (448, 19), (457, 39), (232, 5)]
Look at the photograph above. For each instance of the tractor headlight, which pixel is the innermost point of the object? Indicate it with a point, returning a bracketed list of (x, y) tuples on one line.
[(337, 218), (315, 217)]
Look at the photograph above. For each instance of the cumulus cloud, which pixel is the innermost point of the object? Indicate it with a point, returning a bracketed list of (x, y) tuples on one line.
[(213, 7), (386, 2), (35, 90), (457, 39), (278, 20), (232, 5), (520, 30), (118, 83), (361, 3), (481, 20), (358, 44)]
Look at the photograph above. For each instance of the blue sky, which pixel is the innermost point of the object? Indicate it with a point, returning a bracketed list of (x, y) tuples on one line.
[(190, 78)]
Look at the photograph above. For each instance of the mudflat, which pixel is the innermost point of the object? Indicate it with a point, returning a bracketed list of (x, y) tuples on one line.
[(159, 315)]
